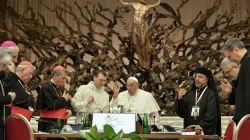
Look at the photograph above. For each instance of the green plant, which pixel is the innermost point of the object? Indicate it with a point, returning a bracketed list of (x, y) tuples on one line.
[(108, 134)]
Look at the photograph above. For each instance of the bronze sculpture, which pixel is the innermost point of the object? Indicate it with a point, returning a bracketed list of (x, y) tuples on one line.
[(140, 31)]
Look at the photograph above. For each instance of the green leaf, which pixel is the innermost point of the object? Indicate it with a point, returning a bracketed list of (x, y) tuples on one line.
[(93, 131), (109, 131), (86, 135), (133, 136), (120, 134), (100, 136)]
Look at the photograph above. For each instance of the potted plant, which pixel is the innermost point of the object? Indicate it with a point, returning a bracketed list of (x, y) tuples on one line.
[(108, 134)]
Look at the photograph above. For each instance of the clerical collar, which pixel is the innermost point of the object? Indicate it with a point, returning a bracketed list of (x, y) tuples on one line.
[(21, 83), (53, 84), (201, 89), (245, 56)]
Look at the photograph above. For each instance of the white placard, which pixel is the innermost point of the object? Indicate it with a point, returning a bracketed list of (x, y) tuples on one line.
[(122, 121)]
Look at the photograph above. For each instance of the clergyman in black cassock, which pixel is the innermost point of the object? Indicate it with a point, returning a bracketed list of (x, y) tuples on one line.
[(24, 99), (7, 80), (52, 97), (209, 118), (242, 90), (235, 50)]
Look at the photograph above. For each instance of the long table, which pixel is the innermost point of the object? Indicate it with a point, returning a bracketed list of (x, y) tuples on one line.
[(42, 136)]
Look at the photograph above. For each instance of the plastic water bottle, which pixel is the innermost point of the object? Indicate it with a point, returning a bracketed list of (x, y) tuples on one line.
[(87, 122), (145, 129), (59, 125)]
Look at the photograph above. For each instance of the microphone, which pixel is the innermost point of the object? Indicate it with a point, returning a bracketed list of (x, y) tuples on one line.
[(50, 128), (153, 127), (154, 119)]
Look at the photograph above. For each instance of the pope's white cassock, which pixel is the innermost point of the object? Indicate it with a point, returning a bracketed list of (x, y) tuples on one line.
[(142, 102), (80, 104)]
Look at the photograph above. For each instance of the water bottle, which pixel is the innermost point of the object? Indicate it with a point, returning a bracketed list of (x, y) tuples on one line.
[(58, 125), (145, 129), (87, 122)]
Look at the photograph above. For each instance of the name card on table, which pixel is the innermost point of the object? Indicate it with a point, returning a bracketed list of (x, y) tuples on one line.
[(121, 121)]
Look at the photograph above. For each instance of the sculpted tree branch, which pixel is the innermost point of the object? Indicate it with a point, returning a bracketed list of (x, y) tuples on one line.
[(173, 54)]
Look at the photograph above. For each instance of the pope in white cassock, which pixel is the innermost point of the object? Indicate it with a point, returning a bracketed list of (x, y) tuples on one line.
[(135, 100), (92, 97)]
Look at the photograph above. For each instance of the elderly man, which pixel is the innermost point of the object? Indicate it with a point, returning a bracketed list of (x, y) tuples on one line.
[(23, 99), (11, 48), (9, 78), (135, 100), (231, 71), (234, 49), (5, 98), (91, 97), (202, 97), (53, 101)]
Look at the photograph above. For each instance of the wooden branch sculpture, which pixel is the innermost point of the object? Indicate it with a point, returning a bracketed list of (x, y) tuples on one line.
[(170, 56)]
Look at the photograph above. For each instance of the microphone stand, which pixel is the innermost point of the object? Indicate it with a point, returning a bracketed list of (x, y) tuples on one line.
[(50, 128)]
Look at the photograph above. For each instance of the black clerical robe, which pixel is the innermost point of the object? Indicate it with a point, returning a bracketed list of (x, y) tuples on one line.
[(6, 83), (208, 114), (231, 97), (50, 98), (23, 98), (242, 91)]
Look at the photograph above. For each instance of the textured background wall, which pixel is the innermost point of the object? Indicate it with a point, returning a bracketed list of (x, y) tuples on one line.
[(52, 32)]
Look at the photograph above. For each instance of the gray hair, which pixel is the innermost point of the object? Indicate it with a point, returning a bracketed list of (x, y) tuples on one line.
[(57, 72), (233, 43), (10, 50), (5, 58), (23, 67), (228, 63)]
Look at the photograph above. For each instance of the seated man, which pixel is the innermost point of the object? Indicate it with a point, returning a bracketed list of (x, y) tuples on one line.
[(91, 97), (203, 97), (135, 100), (23, 98), (53, 98), (5, 98)]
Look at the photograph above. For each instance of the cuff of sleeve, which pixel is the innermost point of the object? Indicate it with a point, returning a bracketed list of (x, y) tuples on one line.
[(84, 106)]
